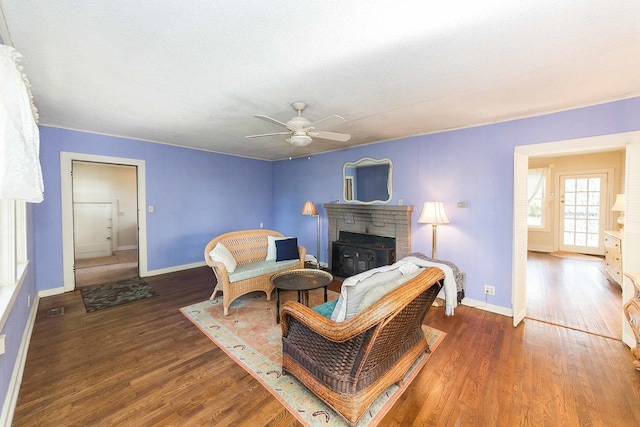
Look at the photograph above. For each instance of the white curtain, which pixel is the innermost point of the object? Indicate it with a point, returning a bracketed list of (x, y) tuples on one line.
[(535, 181), (20, 173)]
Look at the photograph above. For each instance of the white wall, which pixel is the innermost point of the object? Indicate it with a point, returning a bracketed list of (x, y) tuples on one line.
[(97, 182)]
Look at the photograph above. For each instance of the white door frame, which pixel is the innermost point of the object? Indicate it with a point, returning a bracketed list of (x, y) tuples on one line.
[(66, 184), (573, 146)]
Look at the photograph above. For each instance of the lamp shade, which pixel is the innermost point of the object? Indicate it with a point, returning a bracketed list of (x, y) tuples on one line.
[(619, 205), (433, 213), (309, 208)]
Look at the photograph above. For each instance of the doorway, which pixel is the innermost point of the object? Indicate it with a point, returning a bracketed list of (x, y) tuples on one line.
[(104, 223), (128, 223), (569, 288), (625, 141)]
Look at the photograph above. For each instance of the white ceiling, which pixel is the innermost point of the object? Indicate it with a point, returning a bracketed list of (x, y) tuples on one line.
[(194, 72)]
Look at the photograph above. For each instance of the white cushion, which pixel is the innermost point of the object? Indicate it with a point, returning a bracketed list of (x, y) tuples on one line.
[(271, 247), (376, 293), (352, 296), (221, 254)]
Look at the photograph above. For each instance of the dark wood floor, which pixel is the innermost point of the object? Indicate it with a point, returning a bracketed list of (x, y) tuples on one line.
[(145, 364)]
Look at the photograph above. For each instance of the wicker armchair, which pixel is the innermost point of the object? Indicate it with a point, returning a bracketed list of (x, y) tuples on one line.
[(349, 364)]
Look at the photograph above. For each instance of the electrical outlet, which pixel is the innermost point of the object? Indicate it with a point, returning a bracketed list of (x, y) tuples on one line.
[(489, 290)]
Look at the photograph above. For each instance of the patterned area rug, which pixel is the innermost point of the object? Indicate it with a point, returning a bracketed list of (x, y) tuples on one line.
[(109, 295), (251, 337)]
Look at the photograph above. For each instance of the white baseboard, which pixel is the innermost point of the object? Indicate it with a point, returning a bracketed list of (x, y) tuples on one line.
[(173, 269), (51, 292), (60, 290), (18, 369), (487, 307), (126, 248), (536, 248)]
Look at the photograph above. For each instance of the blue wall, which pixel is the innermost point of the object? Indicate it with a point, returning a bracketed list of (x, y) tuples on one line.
[(196, 195), (473, 165), (19, 315)]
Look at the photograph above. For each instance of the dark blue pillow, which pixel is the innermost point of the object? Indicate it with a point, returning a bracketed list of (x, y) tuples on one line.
[(287, 249)]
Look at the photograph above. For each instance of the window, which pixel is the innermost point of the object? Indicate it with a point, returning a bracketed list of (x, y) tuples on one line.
[(536, 192), (13, 253)]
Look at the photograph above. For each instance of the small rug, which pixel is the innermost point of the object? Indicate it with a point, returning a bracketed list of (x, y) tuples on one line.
[(574, 255), (252, 338), (99, 297), (95, 262)]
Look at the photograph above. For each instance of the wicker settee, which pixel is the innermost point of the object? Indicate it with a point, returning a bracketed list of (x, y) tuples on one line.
[(249, 249), (349, 364)]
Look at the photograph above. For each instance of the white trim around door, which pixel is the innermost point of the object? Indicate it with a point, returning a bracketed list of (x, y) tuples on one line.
[(66, 183), (628, 141)]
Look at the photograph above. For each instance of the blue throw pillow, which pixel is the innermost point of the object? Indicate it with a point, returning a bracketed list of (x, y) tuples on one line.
[(287, 249), (325, 309)]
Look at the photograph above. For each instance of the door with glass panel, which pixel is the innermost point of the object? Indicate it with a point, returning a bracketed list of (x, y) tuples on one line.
[(582, 213)]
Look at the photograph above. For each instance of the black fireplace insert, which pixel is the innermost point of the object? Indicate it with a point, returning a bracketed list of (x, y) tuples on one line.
[(354, 253)]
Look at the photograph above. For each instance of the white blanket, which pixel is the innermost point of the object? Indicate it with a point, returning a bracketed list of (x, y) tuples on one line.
[(450, 288)]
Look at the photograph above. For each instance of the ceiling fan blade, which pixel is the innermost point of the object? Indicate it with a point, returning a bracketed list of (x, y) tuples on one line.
[(267, 134), (327, 122), (343, 137), (277, 122)]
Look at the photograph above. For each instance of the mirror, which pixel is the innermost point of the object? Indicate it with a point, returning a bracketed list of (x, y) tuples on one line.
[(367, 181)]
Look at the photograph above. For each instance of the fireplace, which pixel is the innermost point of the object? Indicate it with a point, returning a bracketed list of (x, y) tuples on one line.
[(354, 253), (388, 221)]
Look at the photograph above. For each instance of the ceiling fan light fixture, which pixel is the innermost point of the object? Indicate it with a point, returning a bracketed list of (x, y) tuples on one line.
[(299, 140)]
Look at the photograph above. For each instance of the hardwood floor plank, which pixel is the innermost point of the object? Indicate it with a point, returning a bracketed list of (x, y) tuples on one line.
[(573, 293), (145, 364)]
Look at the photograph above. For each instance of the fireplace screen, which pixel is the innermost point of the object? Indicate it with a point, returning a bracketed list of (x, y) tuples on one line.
[(357, 252)]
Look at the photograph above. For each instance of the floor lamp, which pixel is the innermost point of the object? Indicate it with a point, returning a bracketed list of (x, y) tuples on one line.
[(433, 213), (310, 210)]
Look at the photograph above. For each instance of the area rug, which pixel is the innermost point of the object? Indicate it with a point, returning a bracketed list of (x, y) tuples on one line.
[(573, 255), (99, 297), (252, 338), (95, 262)]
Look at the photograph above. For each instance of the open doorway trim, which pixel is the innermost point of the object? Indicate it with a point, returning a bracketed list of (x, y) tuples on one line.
[(577, 146), (66, 184)]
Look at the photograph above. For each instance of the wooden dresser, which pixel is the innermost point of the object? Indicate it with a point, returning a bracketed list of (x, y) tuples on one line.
[(632, 312), (613, 255)]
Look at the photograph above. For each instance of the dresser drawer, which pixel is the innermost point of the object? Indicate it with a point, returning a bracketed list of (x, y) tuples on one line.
[(612, 243), (613, 256)]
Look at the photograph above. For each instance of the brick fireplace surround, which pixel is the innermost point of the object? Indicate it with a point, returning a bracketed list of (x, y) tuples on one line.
[(381, 220)]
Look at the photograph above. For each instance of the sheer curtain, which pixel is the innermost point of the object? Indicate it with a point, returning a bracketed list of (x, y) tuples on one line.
[(20, 173), (535, 181)]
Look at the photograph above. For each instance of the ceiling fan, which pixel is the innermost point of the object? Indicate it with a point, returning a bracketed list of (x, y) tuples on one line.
[(302, 130)]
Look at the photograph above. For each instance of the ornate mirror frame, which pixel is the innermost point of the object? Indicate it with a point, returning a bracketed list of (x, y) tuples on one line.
[(349, 179)]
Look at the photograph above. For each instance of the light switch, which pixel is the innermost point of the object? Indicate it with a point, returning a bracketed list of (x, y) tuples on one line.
[(150, 209)]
